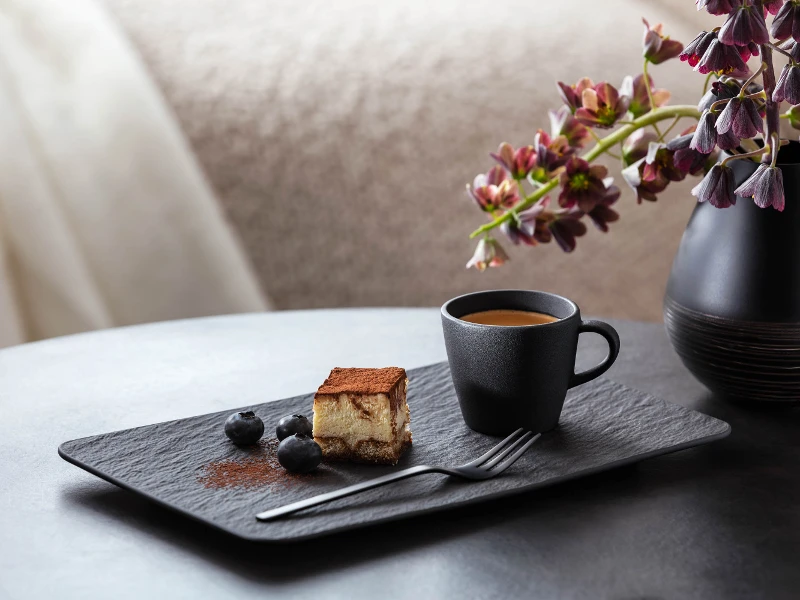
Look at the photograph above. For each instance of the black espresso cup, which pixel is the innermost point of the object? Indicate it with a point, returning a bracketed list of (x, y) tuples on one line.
[(518, 376)]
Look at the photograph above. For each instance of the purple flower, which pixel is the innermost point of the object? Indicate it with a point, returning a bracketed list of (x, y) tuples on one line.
[(765, 187), (725, 88), (684, 157), (722, 59), (718, 7), (651, 175), (716, 188), (518, 163), (792, 48), (704, 139), (488, 253), (771, 6), (636, 90), (744, 25), (538, 224), (695, 49), (528, 226), (747, 51), (602, 106), (636, 145), (706, 136), (562, 123), (728, 140), (786, 23), (645, 190), (602, 214), (741, 115), (494, 190), (659, 166), (565, 228), (551, 153), (582, 184), (571, 94), (788, 86), (656, 47)]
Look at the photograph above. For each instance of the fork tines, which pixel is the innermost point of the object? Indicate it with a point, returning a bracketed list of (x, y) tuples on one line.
[(494, 456)]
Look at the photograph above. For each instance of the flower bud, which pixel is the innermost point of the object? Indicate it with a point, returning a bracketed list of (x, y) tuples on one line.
[(488, 253), (656, 47), (793, 115)]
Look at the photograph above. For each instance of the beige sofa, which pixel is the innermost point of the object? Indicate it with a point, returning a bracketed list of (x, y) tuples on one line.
[(339, 136)]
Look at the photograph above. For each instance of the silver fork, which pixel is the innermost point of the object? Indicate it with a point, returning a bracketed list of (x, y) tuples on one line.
[(486, 466)]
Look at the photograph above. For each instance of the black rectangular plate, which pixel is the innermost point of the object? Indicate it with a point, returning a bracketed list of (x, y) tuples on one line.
[(604, 425)]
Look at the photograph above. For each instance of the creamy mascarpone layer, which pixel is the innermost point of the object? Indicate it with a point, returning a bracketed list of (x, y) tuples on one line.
[(371, 417), (354, 418)]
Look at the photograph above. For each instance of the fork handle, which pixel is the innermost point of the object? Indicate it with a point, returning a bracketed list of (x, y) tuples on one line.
[(294, 507)]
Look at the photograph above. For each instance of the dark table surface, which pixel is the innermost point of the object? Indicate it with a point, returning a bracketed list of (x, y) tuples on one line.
[(718, 521)]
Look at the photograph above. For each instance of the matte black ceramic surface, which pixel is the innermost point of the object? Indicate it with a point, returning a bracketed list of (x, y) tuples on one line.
[(509, 377), (604, 425), (732, 307)]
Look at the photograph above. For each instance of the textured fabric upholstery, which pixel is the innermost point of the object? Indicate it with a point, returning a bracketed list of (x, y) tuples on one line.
[(339, 136), (105, 216)]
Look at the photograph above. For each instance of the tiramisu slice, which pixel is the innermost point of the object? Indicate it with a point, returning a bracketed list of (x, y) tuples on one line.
[(362, 415)]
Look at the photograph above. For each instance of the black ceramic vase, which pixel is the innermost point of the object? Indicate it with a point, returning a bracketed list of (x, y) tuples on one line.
[(732, 307)]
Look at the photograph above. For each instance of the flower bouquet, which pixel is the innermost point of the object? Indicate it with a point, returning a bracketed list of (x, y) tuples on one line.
[(546, 190)]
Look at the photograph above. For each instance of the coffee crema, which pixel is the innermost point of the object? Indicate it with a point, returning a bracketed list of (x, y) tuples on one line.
[(508, 317)]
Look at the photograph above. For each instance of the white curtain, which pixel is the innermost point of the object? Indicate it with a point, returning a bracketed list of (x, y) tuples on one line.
[(105, 217)]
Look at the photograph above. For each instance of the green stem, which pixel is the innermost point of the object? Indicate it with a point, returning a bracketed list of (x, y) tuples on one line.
[(752, 78), (771, 121), (781, 50), (775, 146), (598, 140), (670, 128), (724, 101), (650, 118), (649, 93), (758, 152)]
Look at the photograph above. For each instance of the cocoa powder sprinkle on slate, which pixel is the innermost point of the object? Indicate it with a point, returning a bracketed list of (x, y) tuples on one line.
[(257, 467)]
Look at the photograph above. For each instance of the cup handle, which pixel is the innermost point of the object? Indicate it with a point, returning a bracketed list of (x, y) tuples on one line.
[(612, 337)]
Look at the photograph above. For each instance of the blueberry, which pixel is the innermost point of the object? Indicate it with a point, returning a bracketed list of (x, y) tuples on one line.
[(299, 453), (244, 428), (292, 424)]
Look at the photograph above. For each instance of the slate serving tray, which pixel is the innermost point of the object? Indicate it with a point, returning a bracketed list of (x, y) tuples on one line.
[(604, 425)]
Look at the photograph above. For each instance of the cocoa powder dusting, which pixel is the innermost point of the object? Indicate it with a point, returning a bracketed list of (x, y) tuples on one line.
[(257, 467), (362, 381)]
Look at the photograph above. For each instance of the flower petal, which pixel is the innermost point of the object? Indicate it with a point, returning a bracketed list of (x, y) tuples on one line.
[(744, 25), (705, 136), (590, 100), (765, 187), (716, 187)]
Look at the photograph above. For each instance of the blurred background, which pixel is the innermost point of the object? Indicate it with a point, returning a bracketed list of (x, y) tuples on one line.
[(162, 160)]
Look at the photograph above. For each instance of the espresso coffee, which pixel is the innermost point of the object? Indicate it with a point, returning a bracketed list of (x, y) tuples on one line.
[(508, 317), (510, 377)]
